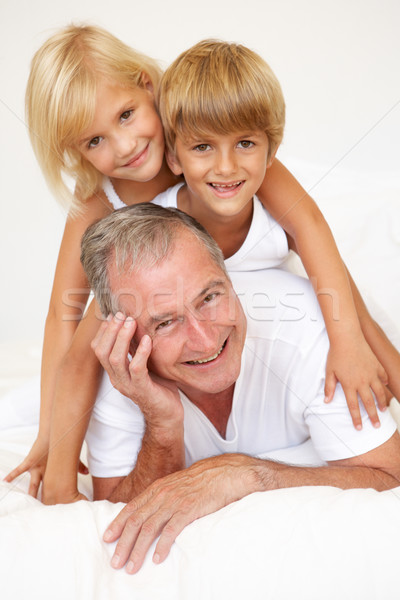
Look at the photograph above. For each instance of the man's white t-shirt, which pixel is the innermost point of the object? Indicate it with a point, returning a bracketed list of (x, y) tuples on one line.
[(278, 399)]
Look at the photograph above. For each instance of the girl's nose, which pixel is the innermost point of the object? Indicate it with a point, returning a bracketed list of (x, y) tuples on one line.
[(124, 145)]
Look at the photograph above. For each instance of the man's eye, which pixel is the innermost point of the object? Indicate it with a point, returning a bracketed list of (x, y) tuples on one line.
[(126, 114), (163, 324), (210, 297), (202, 147), (94, 141), (246, 144)]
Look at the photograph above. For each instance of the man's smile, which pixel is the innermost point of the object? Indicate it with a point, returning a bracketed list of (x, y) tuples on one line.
[(206, 360)]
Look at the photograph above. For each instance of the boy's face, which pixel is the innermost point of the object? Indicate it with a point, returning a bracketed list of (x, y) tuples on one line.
[(222, 172)]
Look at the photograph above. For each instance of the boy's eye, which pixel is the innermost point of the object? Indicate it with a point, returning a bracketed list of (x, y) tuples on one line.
[(126, 114), (94, 141), (202, 147), (246, 144)]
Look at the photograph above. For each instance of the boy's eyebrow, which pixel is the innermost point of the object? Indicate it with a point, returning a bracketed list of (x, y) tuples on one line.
[(159, 318), (196, 138)]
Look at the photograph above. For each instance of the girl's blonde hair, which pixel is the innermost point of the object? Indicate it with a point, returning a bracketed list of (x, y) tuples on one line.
[(61, 97), (220, 87)]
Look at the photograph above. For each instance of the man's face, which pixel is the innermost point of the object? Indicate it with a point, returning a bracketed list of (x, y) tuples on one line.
[(188, 307)]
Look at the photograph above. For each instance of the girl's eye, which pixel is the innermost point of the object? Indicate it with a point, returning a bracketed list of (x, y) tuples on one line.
[(246, 144), (126, 114), (94, 142), (202, 147)]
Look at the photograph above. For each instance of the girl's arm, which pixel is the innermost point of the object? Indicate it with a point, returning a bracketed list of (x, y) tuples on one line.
[(67, 303), (76, 389), (350, 360)]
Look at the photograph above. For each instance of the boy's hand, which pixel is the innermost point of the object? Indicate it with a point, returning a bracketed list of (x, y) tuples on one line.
[(158, 399), (35, 463), (353, 364)]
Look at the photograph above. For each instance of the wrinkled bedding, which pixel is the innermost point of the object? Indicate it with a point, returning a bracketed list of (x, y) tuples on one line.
[(303, 543)]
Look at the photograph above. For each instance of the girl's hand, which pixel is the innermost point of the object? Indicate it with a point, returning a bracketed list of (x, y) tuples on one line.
[(52, 495), (352, 363), (35, 463)]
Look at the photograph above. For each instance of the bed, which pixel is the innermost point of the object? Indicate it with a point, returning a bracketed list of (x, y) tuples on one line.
[(301, 543)]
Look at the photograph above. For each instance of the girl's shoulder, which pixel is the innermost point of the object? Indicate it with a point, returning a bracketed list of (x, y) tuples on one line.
[(94, 208), (111, 194)]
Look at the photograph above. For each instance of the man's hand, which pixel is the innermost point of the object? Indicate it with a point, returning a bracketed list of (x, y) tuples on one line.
[(171, 503), (157, 399)]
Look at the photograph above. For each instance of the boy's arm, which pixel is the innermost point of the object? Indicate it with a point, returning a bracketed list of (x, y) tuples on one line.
[(379, 342), (76, 390), (351, 360)]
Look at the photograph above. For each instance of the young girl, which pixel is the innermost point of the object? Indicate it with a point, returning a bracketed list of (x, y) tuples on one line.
[(91, 113)]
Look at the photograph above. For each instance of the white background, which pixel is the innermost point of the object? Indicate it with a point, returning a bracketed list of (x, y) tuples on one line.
[(337, 61)]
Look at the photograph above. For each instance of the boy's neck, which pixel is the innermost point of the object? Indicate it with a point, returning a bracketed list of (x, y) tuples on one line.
[(229, 232), (133, 192)]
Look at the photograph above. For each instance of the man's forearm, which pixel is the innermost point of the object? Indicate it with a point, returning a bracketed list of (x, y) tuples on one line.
[(162, 453), (272, 476)]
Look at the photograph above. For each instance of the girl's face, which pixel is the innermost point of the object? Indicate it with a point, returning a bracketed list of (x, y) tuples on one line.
[(125, 139)]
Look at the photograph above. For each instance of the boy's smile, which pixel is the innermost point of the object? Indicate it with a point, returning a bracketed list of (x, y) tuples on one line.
[(222, 172)]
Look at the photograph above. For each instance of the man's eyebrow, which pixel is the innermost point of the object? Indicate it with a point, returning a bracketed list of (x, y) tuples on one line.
[(154, 319), (210, 286)]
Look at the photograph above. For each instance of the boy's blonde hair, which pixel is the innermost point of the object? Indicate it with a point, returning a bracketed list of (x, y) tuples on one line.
[(220, 87), (61, 98)]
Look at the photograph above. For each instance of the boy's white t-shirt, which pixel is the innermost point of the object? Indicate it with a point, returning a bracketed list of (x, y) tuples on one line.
[(279, 396), (265, 245)]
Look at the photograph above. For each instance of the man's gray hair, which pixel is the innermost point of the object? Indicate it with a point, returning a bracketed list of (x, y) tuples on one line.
[(134, 237)]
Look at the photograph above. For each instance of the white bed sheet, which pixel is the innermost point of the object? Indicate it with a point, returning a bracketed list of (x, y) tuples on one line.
[(304, 543)]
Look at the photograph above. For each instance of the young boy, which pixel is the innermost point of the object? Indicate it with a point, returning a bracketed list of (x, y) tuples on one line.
[(223, 114)]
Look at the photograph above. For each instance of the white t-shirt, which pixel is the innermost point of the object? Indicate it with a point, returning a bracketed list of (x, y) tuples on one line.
[(279, 395), (265, 245)]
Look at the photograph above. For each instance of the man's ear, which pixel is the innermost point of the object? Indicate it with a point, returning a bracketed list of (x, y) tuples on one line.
[(173, 162)]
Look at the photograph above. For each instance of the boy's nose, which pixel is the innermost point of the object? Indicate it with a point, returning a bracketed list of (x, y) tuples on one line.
[(225, 164)]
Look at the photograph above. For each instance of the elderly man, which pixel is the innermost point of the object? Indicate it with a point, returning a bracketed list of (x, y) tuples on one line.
[(213, 398)]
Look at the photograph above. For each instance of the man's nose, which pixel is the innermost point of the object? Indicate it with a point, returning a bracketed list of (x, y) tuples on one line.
[(202, 335)]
